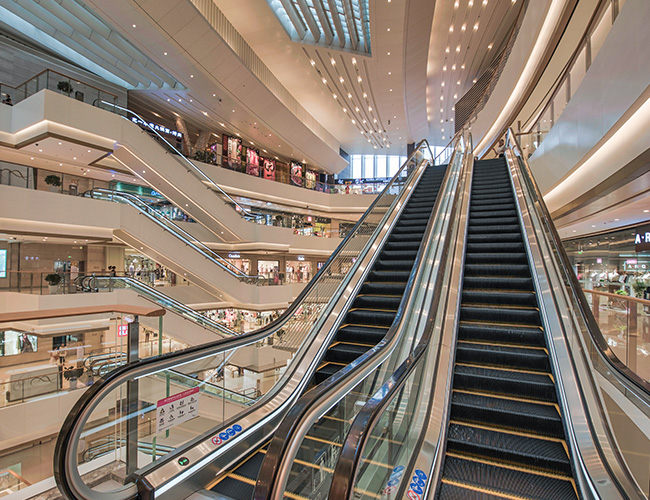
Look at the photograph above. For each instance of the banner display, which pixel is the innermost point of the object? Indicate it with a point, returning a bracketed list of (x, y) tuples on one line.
[(252, 162), (296, 174), (269, 169)]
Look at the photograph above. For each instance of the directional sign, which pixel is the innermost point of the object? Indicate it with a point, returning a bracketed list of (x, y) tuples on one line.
[(177, 409)]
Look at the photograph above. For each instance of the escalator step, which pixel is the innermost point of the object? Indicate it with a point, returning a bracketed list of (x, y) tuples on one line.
[(361, 334), (533, 386), (400, 254), (534, 359), (493, 220), (487, 296), (496, 258), (500, 315), (517, 270), (326, 372), (380, 288), (390, 303), (502, 229), (345, 353), (382, 264), (402, 246), (535, 418), (251, 467), (370, 317), (389, 276), (230, 487), (493, 283), (505, 334), (479, 216), (468, 476), (536, 453)]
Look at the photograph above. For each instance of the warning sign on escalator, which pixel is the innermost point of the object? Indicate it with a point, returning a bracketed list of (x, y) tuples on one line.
[(176, 409)]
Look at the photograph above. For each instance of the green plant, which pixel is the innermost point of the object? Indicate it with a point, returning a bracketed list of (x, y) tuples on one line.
[(64, 86), (638, 286), (53, 279), (204, 156), (621, 292), (53, 180)]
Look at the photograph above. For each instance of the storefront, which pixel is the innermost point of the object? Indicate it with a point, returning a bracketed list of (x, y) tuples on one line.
[(270, 269), (298, 271), (236, 260), (616, 262)]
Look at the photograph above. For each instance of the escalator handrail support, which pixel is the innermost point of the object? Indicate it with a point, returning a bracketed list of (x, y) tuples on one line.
[(203, 176), (139, 286), (641, 386), (349, 459), (135, 202), (84, 405), (278, 458)]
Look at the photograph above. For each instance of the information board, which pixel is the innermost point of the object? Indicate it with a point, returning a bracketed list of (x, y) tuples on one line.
[(176, 409)]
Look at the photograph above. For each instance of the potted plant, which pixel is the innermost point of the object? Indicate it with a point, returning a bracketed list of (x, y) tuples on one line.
[(65, 86), (54, 181), (72, 375), (53, 281)]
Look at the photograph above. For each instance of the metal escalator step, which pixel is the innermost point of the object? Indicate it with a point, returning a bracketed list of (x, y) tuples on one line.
[(501, 228), (345, 353), (524, 416), (495, 314), (388, 276), (388, 302), (506, 334), (402, 246), (523, 451), (479, 215), (494, 283), (533, 386), (326, 371), (400, 253), (361, 334), (477, 222), (490, 296), (516, 270), (383, 264), (233, 487), (534, 359), (496, 258), (385, 288), (475, 479), (251, 467), (370, 317)]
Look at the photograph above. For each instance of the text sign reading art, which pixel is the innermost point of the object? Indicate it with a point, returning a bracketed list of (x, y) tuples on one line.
[(177, 409)]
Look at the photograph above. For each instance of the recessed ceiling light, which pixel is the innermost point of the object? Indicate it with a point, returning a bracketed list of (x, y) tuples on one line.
[(191, 76), (646, 211), (447, 50), (388, 29), (333, 61), (442, 84), (312, 62), (388, 53), (164, 53), (458, 48), (40, 150), (490, 47), (390, 90), (32, 158), (134, 26), (451, 28), (354, 60), (463, 27), (74, 157), (60, 143), (453, 68), (444, 68)]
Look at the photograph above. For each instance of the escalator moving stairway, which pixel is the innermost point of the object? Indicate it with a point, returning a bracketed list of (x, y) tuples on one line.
[(506, 437), (365, 325)]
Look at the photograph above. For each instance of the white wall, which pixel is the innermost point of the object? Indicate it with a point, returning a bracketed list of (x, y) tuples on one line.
[(615, 87)]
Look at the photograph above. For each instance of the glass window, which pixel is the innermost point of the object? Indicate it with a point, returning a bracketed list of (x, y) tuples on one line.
[(369, 166), (356, 166), (381, 166), (393, 165)]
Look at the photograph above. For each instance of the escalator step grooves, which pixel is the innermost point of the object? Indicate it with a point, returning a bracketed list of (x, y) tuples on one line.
[(506, 436)]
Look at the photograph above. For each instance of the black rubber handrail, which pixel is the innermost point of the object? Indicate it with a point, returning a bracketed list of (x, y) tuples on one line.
[(65, 435), (351, 452), (283, 436), (576, 290)]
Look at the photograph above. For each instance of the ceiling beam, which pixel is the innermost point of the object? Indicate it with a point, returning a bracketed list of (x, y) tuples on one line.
[(295, 19), (337, 22), (311, 22)]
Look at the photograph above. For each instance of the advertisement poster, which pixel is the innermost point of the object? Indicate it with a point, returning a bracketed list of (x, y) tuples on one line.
[(3, 263), (234, 152), (310, 179), (177, 409), (269, 169), (296, 174), (252, 162)]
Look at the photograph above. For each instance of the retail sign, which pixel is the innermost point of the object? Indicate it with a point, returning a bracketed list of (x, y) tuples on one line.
[(3, 263), (157, 128), (301, 257), (177, 409), (636, 265), (642, 238), (599, 260), (234, 255), (122, 330)]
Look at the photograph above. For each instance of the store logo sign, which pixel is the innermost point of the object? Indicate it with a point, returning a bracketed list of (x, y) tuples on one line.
[(234, 256), (157, 128), (642, 238)]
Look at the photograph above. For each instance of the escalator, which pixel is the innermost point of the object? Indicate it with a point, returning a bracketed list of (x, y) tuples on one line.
[(506, 436), (365, 324)]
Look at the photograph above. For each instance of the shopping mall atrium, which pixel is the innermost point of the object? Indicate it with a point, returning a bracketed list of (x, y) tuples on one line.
[(312, 249)]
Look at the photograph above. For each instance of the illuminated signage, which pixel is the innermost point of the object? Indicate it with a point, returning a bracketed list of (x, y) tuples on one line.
[(642, 238), (234, 256), (122, 330), (3, 263), (301, 257), (157, 128)]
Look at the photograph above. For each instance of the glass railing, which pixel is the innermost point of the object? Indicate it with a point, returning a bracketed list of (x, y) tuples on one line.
[(113, 282), (138, 392), (188, 163), (587, 365), (177, 231), (56, 82), (625, 325), (329, 409), (11, 482)]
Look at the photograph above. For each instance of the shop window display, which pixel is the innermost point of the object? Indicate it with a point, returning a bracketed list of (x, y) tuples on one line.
[(13, 342)]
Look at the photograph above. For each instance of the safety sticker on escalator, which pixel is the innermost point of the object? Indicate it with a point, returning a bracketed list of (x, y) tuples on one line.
[(393, 481), (224, 436), (416, 488), (176, 409)]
